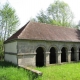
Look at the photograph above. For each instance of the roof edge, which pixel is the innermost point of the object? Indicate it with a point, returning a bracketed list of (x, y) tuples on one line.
[(39, 40), (16, 32)]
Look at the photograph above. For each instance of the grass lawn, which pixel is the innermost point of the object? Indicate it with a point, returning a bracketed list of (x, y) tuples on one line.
[(54, 72), (10, 72), (61, 72)]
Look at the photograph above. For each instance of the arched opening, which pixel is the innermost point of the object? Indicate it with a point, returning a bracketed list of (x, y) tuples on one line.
[(79, 53), (72, 54), (63, 54), (40, 57), (52, 55)]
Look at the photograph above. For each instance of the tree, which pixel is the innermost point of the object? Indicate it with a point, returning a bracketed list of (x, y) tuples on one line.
[(8, 21), (78, 25), (1, 50), (58, 13)]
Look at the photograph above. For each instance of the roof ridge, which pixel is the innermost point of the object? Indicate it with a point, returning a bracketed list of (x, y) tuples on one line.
[(55, 25)]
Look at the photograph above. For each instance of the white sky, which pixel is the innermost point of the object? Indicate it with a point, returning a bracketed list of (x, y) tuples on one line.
[(26, 9)]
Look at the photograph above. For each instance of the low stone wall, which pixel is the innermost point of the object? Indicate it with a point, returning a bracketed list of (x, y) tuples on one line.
[(35, 73)]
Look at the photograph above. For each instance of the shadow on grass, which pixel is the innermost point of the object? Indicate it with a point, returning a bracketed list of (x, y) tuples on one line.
[(30, 75), (6, 64)]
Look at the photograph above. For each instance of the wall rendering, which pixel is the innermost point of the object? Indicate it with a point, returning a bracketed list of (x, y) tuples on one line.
[(11, 58), (11, 47), (10, 52)]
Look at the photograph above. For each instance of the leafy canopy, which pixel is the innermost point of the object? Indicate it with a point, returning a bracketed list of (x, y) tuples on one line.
[(8, 21), (58, 13)]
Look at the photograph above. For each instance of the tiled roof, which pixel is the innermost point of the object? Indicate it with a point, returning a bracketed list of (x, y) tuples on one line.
[(42, 31)]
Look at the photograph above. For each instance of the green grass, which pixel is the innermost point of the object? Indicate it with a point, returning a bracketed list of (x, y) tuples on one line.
[(61, 72), (54, 72), (10, 72)]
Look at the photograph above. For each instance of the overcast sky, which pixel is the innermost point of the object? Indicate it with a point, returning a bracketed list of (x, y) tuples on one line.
[(26, 9)]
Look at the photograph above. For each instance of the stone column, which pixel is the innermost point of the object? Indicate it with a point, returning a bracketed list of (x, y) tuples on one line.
[(68, 56), (58, 57), (77, 55), (47, 54)]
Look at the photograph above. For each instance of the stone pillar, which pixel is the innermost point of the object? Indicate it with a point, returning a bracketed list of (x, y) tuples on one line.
[(77, 55), (47, 54), (58, 57), (68, 56)]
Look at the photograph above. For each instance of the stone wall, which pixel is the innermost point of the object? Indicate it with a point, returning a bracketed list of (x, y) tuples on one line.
[(11, 58), (27, 51), (10, 52), (11, 47)]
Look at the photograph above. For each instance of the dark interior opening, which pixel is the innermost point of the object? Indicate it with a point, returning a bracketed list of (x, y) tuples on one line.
[(72, 54), (52, 55), (79, 53), (63, 54), (40, 57)]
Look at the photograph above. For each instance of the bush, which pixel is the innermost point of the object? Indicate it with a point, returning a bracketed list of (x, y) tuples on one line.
[(1, 50)]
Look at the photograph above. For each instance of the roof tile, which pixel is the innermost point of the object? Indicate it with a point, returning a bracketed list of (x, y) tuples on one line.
[(42, 31)]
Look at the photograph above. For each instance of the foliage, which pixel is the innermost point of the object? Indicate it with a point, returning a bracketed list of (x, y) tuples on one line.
[(78, 25), (58, 13), (8, 21), (1, 49)]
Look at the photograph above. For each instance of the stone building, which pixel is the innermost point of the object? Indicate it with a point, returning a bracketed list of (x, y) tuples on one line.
[(40, 44)]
